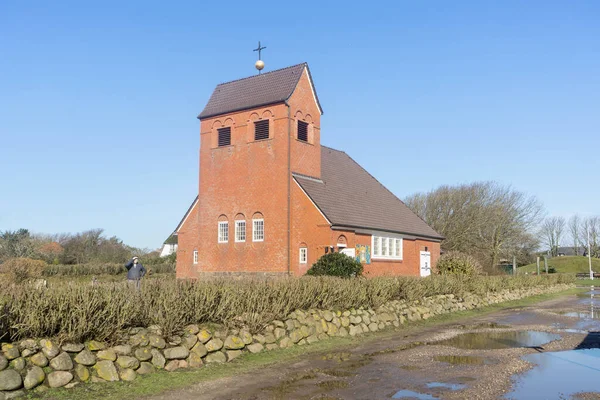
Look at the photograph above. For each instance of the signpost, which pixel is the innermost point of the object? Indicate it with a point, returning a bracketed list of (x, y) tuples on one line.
[(538, 265), (590, 254)]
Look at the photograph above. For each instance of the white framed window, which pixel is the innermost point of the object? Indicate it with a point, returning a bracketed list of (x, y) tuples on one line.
[(195, 256), (388, 247), (240, 231), (223, 231), (258, 230), (303, 255)]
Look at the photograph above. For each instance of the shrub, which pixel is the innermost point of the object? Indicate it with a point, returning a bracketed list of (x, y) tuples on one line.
[(455, 262), (22, 269), (336, 264), (79, 312)]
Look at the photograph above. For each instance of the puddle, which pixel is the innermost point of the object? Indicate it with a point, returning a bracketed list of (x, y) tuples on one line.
[(464, 360), (583, 315), (409, 394), (500, 340), (451, 386), (564, 372)]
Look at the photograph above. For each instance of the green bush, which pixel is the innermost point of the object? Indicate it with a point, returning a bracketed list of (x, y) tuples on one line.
[(22, 269), (455, 262), (336, 264)]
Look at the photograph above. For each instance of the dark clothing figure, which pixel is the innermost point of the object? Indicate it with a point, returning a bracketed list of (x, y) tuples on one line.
[(135, 272)]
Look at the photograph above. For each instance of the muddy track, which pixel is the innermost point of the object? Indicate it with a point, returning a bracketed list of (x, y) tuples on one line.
[(414, 360)]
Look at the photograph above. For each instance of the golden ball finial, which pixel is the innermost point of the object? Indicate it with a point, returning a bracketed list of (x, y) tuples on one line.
[(259, 65)]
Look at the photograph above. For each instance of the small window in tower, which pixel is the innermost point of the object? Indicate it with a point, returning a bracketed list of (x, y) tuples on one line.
[(302, 131), (224, 136), (261, 129), (195, 256)]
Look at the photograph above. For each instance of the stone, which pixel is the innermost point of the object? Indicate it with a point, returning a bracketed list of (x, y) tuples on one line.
[(233, 354), (259, 339), (214, 345), (322, 336), (156, 329), (18, 364), (332, 330), (38, 359), (172, 365), (192, 329), (72, 347), (175, 340), (271, 338), (109, 355), (62, 362), (289, 324), (328, 315), (139, 339), (246, 337), (343, 332), (10, 380), (157, 341), (26, 352), (234, 343), (272, 346), (10, 351), (301, 342), (145, 368), (122, 350), (95, 379), (255, 348), (189, 341), (86, 357), (35, 376), (194, 360), (285, 342), (373, 327), (305, 330), (71, 385), (199, 349), (312, 339), (58, 379), (354, 330), (128, 362), (296, 335), (204, 335), (14, 395), (83, 374), (176, 353), (3, 362), (143, 353), (94, 345), (216, 357), (106, 370), (127, 374), (158, 360)]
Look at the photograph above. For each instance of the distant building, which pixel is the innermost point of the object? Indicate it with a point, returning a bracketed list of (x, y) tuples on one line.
[(272, 200), (169, 246)]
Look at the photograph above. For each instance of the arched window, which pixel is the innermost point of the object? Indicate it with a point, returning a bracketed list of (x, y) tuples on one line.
[(240, 228), (223, 232), (258, 227), (303, 253)]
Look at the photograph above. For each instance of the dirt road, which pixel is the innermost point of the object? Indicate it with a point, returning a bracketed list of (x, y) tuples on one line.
[(429, 363)]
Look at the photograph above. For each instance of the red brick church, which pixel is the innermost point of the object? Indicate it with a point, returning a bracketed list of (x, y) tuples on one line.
[(272, 199)]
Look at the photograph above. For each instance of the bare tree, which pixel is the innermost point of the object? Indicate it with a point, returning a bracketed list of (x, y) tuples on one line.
[(591, 225), (552, 231), (484, 219), (575, 231)]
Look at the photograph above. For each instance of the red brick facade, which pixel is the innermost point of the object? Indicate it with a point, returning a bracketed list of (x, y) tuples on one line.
[(253, 180)]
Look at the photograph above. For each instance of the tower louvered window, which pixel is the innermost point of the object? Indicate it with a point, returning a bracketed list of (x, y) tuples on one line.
[(224, 136), (302, 131), (261, 129)]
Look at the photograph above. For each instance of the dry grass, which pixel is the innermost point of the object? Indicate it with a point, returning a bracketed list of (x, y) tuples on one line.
[(79, 312)]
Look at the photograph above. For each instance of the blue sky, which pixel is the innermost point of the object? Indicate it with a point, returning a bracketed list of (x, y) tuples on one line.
[(98, 102)]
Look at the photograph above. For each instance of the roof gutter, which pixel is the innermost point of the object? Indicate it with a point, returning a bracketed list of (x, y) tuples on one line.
[(366, 230), (289, 189)]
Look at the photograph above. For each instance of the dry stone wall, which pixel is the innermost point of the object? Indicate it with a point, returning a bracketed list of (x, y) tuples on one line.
[(41, 364)]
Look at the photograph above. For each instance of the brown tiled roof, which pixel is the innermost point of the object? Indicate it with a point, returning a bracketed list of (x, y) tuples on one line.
[(255, 91), (351, 197)]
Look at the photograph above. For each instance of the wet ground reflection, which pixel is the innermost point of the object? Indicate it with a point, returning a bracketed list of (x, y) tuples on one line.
[(500, 340)]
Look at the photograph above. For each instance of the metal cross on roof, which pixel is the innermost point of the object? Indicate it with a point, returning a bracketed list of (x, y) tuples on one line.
[(259, 49)]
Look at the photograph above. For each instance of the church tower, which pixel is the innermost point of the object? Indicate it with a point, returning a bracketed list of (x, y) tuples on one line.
[(254, 134)]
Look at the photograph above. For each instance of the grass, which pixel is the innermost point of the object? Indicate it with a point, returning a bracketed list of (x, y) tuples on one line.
[(588, 282), (564, 265), (162, 381)]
